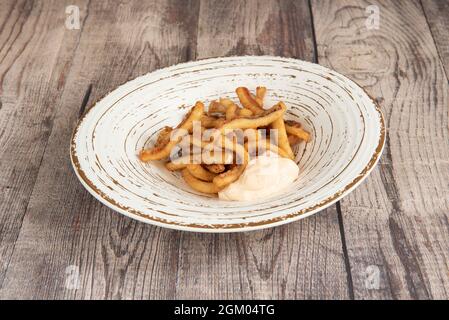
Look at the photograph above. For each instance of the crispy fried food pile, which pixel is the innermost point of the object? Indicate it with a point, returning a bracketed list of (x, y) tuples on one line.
[(212, 148)]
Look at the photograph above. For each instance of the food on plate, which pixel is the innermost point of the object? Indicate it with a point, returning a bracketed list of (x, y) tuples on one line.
[(294, 128), (265, 118), (243, 112), (163, 151), (199, 172), (236, 152), (199, 185), (215, 167), (260, 94), (262, 146), (279, 125), (215, 107), (248, 101)]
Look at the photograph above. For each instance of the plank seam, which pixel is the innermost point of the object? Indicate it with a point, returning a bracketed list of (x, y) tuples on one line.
[(437, 48), (345, 252), (312, 23), (337, 205), (85, 100)]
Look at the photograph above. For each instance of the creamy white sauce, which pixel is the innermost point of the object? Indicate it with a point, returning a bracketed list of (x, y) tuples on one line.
[(264, 176)]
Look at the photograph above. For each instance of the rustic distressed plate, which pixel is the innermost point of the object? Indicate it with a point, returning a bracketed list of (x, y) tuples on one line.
[(346, 125)]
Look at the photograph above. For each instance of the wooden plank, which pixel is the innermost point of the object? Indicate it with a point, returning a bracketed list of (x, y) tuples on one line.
[(66, 232), (396, 223), (35, 56), (119, 258), (437, 13), (299, 260)]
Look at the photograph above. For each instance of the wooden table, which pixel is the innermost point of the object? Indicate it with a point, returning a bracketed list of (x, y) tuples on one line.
[(389, 239)]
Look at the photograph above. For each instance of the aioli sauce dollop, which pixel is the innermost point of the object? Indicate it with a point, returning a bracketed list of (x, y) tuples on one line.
[(264, 176)]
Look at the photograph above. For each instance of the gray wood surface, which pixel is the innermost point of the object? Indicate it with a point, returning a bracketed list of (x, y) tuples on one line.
[(396, 223), (51, 229), (280, 263), (437, 13), (35, 54)]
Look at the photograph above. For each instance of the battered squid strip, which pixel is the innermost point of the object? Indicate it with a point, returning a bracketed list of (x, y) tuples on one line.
[(294, 128), (193, 141), (226, 102), (247, 100), (158, 153), (268, 117), (243, 112), (283, 143), (209, 121), (199, 172), (219, 122), (163, 137), (264, 145), (213, 156), (221, 141), (173, 166), (216, 107), (215, 168), (198, 185), (260, 95), (293, 140), (231, 112)]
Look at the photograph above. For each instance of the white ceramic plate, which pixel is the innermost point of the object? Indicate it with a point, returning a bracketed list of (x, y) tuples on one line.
[(347, 129)]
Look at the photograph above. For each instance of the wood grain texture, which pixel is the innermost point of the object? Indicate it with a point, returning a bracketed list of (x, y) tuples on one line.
[(437, 13), (298, 260), (36, 53), (396, 223), (119, 258), (63, 225)]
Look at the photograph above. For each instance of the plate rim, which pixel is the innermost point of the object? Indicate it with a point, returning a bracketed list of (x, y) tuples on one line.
[(226, 228)]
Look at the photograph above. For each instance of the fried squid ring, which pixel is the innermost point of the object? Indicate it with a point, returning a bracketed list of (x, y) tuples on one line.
[(199, 172), (228, 177), (158, 153), (198, 185)]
